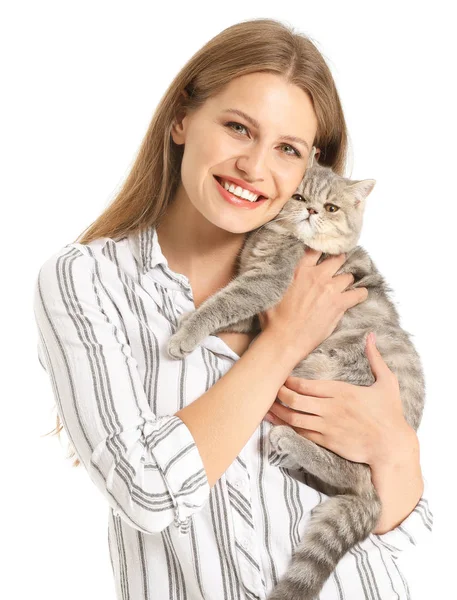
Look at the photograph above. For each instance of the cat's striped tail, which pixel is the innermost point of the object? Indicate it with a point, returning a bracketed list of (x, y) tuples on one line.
[(335, 526)]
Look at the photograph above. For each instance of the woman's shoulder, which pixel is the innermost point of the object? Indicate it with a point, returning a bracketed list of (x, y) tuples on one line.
[(98, 250), (102, 246), (109, 260)]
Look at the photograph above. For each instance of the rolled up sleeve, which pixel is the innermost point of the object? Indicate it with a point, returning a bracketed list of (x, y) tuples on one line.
[(148, 468), (415, 530)]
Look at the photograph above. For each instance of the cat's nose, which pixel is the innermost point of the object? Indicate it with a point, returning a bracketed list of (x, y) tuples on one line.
[(312, 211)]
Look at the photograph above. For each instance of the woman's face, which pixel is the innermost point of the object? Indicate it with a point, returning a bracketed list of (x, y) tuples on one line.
[(219, 142)]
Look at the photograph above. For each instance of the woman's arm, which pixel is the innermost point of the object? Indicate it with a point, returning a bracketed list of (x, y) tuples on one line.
[(223, 419), (102, 402)]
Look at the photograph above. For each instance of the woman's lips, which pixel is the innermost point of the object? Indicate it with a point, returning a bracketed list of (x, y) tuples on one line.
[(220, 179), (235, 200)]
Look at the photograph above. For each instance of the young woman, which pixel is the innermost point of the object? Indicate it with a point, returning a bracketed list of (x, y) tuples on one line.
[(179, 449)]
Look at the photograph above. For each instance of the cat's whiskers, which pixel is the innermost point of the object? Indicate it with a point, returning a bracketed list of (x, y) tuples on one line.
[(280, 217), (274, 220)]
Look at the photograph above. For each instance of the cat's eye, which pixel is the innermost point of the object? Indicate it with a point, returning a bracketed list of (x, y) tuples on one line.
[(299, 197), (331, 207)]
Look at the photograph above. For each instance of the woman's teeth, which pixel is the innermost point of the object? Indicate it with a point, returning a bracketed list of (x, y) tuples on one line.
[(236, 190)]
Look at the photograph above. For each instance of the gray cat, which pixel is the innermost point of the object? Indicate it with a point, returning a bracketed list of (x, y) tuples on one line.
[(326, 214)]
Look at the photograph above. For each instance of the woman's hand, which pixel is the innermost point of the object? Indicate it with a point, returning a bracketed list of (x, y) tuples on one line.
[(360, 423), (313, 304)]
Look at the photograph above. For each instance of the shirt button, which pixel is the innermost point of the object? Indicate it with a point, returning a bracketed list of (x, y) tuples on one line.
[(244, 542), (240, 484)]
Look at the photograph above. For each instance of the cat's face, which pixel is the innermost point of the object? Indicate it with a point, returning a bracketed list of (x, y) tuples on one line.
[(326, 211)]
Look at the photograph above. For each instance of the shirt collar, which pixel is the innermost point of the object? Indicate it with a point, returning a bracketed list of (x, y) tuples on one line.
[(150, 252), (147, 249)]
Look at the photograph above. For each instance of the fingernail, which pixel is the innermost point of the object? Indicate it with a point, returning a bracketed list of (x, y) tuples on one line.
[(372, 338)]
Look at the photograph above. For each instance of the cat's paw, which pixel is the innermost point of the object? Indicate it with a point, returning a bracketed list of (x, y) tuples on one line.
[(281, 437), (183, 341), (283, 442), (184, 318), (177, 346)]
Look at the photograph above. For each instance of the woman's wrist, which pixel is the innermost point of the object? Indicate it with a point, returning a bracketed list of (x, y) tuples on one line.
[(397, 449), (397, 477), (280, 343), (287, 341)]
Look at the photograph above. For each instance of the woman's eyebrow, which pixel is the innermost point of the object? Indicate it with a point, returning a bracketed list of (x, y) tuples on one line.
[(255, 123)]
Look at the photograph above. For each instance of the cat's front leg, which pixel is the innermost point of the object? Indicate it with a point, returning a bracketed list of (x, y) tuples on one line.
[(191, 331), (250, 293), (248, 325), (193, 328)]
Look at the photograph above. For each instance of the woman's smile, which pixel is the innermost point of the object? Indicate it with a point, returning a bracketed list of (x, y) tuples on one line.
[(236, 200)]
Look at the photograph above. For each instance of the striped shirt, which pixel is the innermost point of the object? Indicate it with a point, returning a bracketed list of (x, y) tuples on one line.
[(104, 314)]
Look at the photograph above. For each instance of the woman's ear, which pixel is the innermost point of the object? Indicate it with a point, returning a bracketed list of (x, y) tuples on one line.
[(316, 154), (178, 129)]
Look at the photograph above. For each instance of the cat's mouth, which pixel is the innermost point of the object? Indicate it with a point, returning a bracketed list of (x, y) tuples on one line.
[(306, 227)]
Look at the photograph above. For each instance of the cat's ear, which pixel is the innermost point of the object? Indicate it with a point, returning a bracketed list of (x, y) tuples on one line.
[(359, 190), (311, 156)]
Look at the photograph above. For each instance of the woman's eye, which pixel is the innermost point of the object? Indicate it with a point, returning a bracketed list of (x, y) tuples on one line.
[(230, 123), (295, 151), (233, 123), (331, 207)]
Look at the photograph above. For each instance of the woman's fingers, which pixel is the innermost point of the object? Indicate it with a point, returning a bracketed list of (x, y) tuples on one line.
[(332, 264), (296, 419), (343, 280), (298, 401), (310, 257), (353, 297), (320, 388)]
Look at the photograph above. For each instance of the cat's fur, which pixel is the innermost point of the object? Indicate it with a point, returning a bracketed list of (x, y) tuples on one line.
[(267, 263)]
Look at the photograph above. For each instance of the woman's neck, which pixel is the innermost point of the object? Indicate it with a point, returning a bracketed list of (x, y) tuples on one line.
[(195, 247)]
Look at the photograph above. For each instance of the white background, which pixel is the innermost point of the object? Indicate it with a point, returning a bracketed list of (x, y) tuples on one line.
[(80, 84)]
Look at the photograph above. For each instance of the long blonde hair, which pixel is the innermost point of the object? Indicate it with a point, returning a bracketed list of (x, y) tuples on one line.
[(258, 45)]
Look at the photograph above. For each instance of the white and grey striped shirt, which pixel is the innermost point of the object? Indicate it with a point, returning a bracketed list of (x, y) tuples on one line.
[(104, 313)]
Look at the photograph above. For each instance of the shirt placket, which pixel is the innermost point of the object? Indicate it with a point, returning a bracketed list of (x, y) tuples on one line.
[(247, 549)]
